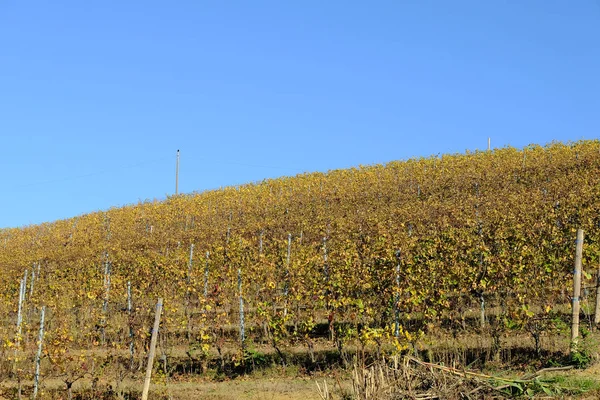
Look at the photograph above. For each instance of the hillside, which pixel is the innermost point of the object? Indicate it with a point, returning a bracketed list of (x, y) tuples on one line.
[(370, 256)]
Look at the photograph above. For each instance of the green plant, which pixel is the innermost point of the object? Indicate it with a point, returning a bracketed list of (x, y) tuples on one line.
[(584, 351), (254, 358)]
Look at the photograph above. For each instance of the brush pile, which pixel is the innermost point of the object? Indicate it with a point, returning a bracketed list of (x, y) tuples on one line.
[(411, 378)]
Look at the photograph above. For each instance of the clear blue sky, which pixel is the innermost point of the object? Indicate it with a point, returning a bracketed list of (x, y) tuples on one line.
[(97, 96)]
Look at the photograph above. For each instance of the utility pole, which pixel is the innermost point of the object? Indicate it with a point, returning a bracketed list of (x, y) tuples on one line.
[(177, 175), (489, 144)]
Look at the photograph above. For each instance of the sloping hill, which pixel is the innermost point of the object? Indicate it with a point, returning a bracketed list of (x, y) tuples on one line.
[(415, 243)]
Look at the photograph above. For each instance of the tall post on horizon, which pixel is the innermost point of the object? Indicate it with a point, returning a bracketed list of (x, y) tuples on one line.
[(489, 144), (177, 175)]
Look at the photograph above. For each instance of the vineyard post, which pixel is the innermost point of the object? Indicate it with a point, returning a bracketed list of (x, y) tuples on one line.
[(576, 290), (287, 273), (189, 277), (189, 293), (481, 309), (480, 234), (129, 313), (260, 255), (326, 273), (152, 350), (20, 310), (23, 314), (597, 310), (38, 356), (229, 226), (325, 269), (25, 284), (206, 275), (397, 298), (19, 319), (32, 280), (107, 271), (260, 245), (242, 322)]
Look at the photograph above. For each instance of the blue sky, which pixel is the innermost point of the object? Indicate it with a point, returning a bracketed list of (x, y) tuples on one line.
[(97, 96)]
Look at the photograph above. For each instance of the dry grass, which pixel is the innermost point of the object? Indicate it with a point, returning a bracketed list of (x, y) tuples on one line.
[(255, 389)]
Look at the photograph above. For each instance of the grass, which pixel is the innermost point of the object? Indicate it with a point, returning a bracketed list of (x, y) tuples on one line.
[(278, 383), (267, 378)]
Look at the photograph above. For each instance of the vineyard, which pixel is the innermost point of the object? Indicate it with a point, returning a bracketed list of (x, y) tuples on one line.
[(310, 270)]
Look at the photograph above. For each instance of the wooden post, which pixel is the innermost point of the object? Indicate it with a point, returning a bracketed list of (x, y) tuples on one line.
[(327, 305), (287, 274), (107, 270), (20, 310), (481, 310), (188, 294), (177, 175), (32, 282), (325, 269), (397, 298), (229, 226), (152, 350), (189, 277), (25, 284), (576, 290), (19, 320), (260, 245), (597, 311), (36, 378), (206, 276), (242, 321), (130, 314)]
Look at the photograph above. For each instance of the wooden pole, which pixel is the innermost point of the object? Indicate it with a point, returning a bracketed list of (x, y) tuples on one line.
[(177, 175), (107, 271), (397, 298), (190, 263), (20, 310), (130, 315), (597, 311), (206, 276), (576, 290), (481, 310), (32, 282), (36, 378), (188, 296), (19, 320), (242, 320), (287, 274), (327, 305), (25, 285), (152, 350)]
